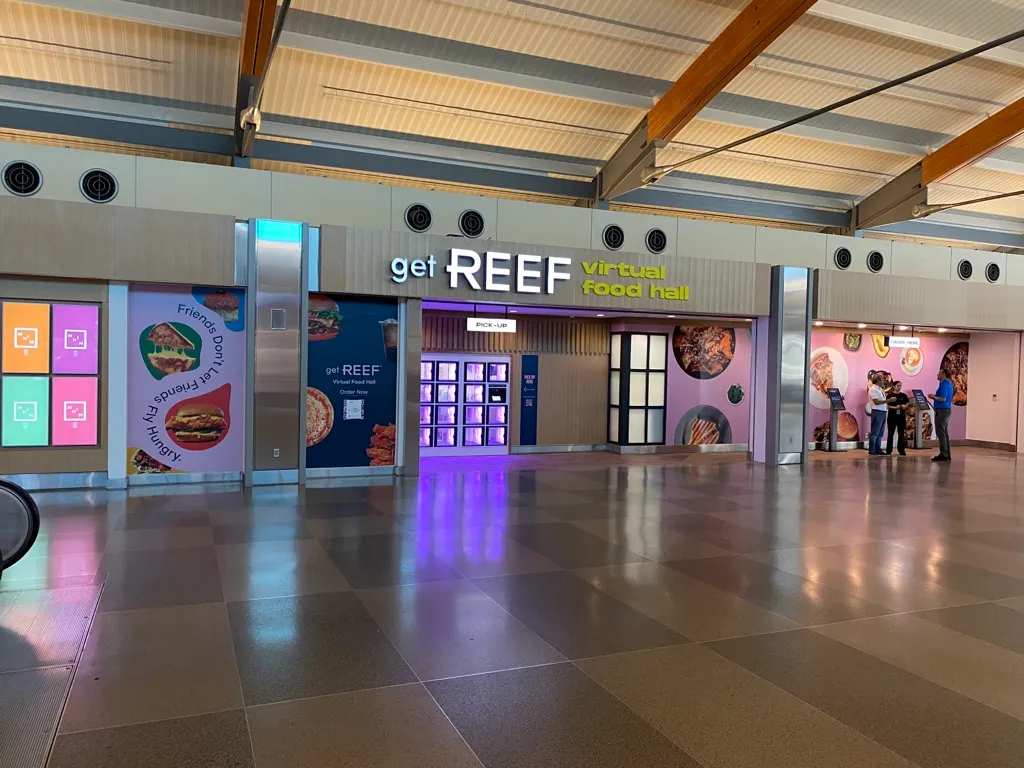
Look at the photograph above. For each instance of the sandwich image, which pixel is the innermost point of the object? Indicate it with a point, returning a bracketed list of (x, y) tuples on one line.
[(141, 463), (703, 432), (323, 318), (169, 356), (198, 423), (224, 303), (821, 372)]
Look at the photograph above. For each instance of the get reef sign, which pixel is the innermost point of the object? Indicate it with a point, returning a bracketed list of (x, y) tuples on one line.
[(497, 272)]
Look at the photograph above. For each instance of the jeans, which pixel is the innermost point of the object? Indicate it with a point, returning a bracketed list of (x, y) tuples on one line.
[(877, 428), (897, 429), (942, 430)]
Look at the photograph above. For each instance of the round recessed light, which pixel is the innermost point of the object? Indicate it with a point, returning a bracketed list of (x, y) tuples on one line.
[(819, 322), (513, 311), (942, 330), (903, 328), (862, 325), (670, 315), (599, 314)]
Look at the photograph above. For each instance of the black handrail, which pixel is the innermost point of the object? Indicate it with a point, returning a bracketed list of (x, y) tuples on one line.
[(31, 511)]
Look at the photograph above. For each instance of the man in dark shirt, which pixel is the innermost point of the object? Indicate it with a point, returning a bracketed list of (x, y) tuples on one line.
[(897, 402)]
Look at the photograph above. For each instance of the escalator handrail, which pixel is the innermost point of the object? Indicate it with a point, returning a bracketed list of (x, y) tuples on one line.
[(32, 512)]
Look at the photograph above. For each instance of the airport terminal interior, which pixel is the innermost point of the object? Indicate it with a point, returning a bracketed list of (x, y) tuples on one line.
[(511, 384)]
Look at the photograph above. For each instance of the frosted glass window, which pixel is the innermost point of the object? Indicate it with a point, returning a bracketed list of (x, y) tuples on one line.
[(638, 388), (658, 354), (637, 425), (638, 352), (613, 425), (655, 389), (613, 395), (616, 350), (656, 425)]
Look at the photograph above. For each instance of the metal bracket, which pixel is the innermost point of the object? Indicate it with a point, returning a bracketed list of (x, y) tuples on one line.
[(892, 203), (622, 173)]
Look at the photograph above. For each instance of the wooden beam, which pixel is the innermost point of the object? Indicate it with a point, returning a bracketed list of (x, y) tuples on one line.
[(257, 29), (753, 30), (974, 145)]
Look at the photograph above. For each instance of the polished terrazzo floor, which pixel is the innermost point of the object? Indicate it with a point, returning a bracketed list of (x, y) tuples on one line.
[(547, 613)]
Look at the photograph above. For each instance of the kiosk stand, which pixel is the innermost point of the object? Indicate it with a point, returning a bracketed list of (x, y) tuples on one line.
[(923, 406), (837, 406)]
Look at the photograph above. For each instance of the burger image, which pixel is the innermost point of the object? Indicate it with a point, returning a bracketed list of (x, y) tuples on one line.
[(848, 428), (224, 303), (323, 318), (198, 423)]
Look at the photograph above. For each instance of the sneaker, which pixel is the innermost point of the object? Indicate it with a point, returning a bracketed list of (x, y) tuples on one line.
[(903, 453), (938, 458)]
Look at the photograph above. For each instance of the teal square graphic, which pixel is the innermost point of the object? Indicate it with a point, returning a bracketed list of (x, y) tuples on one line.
[(25, 420)]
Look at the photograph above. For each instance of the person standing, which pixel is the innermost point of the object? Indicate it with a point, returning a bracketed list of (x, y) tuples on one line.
[(942, 402), (876, 398), (898, 404)]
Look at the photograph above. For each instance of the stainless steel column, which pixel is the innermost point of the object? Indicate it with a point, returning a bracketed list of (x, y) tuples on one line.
[(782, 362), (275, 396), (410, 350)]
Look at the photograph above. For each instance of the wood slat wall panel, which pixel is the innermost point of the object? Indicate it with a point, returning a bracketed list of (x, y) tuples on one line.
[(572, 399), (534, 335), (49, 238)]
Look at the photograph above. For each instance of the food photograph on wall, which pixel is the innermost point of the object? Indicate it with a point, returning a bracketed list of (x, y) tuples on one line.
[(352, 382), (846, 361), (708, 386), (186, 380)]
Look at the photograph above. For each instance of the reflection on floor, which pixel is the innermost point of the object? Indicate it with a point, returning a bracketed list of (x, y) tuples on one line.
[(552, 612)]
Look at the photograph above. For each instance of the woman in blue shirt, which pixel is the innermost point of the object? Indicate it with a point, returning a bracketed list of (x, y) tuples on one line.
[(942, 402)]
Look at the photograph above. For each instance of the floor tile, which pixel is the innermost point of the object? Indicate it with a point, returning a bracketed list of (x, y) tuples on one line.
[(1014, 603), (445, 515), (154, 664), (725, 535), (338, 510), (386, 560), (151, 515), (398, 727), (124, 540), (254, 515), (967, 552), (727, 717), (311, 645), (160, 578), (991, 622), (42, 569), (449, 628), (978, 670), (931, 566), (276, 569), (891, 589), (551, 717), (805, 602), (1012, 541), (205, 741), (340, 527), (44, 627), (246, 533), (575, 618), (650, 538), (924, 722), (690, 607), (570, 546), (482, 552)]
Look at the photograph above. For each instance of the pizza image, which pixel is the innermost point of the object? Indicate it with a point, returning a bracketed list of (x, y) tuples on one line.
[(955, 362), (319, 416), (821, 372), (704, 352)]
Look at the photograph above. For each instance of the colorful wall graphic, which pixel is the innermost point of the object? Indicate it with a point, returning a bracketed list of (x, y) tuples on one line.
[(708, 386), (186, 380), (49, 400), (352, 382), (844, 360)]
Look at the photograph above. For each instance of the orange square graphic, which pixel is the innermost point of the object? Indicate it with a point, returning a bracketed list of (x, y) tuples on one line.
[(26, 346)]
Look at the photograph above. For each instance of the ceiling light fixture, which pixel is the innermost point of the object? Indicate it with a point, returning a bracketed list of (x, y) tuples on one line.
[(819, 323), (903, 328), (599, 314), (862, 326), (942, 330)]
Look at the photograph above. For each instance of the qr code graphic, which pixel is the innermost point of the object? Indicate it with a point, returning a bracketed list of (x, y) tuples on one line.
[(75, 339), (26, 411), (26, 338), (74, 410)]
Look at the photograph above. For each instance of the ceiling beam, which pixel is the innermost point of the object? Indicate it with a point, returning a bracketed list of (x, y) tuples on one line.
[(253, 53), (896, 201), (746, 36)]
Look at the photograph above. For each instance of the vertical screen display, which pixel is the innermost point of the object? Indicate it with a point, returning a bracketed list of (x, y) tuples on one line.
[(74, 410), (26, 411), (76, 339), (26, 329)]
